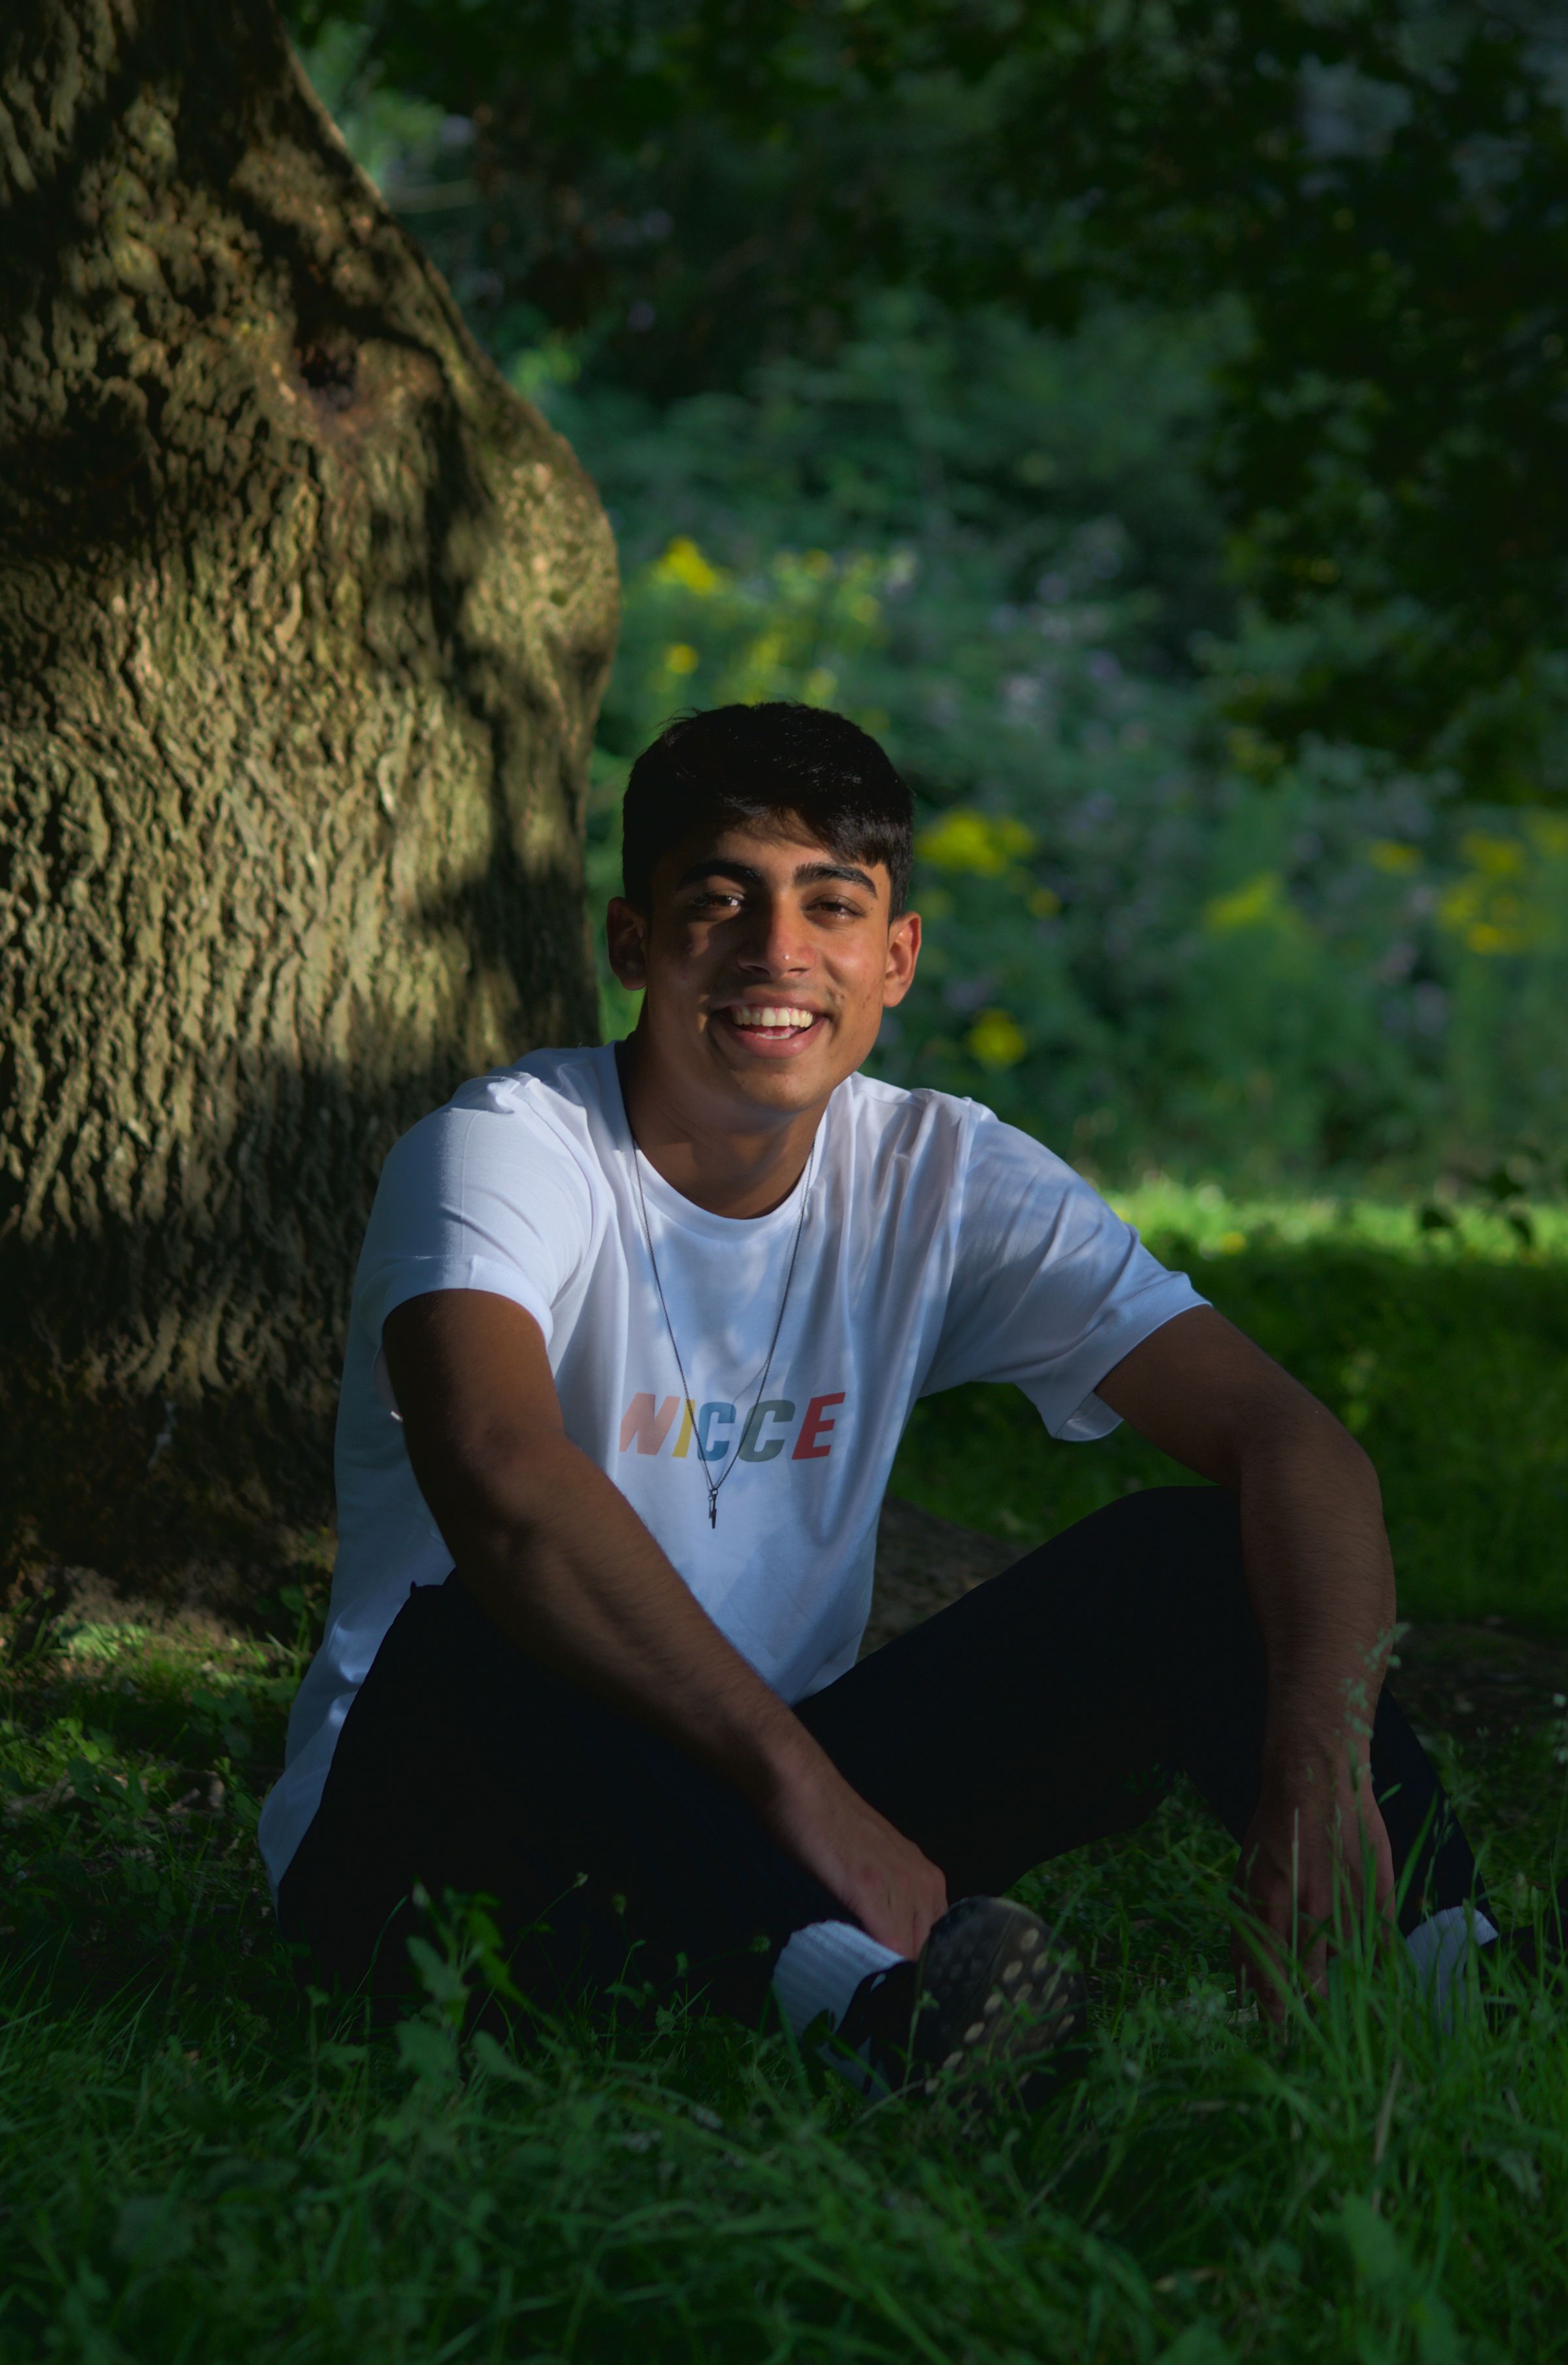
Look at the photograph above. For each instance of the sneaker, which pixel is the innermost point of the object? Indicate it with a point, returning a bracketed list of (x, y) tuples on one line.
[(989, 1990)]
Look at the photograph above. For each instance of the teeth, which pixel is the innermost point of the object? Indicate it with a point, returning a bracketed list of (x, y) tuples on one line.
[(786, 1021)]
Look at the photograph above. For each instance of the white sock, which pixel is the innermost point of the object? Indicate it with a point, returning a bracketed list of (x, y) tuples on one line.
[(1439, 1948), (820, 1968)]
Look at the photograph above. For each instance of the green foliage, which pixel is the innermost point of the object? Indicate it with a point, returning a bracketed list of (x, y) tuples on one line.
[(1206, 880), (1371, 187), (1376, 185), (1149, 936)]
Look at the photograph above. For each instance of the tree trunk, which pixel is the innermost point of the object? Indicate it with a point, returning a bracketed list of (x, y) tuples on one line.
[(304, 618)]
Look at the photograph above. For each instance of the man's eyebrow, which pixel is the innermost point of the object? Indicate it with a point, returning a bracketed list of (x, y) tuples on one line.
[(810, 872), (716, 867), (719, 866)]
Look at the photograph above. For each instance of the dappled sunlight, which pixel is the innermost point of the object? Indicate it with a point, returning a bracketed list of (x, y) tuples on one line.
[(1222, 1222)]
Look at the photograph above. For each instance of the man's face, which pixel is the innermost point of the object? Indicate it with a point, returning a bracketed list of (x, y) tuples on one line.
[(767, 962)]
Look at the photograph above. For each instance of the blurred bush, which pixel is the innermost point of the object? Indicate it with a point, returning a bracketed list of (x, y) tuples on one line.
[(1151, 935), (1203, 892), (1372, 189)]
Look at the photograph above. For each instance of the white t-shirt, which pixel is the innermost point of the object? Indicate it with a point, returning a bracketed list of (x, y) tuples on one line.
[(936, 1245)]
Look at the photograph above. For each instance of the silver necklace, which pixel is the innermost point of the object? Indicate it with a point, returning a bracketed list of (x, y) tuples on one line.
[(711, 1483)]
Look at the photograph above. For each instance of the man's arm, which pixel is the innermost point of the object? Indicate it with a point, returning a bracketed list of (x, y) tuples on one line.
[(551, 1548), (1321, 1581)]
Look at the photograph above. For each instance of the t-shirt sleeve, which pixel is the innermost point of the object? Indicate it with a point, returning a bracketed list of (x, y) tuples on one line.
[(484, 1198), (1050, 1286)]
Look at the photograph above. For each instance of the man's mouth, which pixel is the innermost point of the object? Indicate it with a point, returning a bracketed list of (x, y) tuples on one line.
[(759, 1022)]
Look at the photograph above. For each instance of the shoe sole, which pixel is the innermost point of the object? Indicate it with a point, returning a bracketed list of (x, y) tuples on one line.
[(992, 1990)]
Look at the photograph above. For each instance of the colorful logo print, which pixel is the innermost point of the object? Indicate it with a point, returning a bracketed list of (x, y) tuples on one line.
[(770, 1425)]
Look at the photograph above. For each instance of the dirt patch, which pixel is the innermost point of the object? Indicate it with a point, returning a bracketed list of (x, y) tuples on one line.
[(924, 1563), (207, 1605), (1485, 1683)]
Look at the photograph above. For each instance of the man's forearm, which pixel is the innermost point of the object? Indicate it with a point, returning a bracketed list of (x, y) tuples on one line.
[(1321, 1580)]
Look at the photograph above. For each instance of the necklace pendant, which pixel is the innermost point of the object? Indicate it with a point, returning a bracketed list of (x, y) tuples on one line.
[(713, 1485)]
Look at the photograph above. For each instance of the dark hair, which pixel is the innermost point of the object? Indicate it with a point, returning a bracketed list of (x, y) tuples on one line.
[(736, 765)]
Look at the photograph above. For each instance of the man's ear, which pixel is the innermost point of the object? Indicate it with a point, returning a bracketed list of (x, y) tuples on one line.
[(626, 936), (903, 952)]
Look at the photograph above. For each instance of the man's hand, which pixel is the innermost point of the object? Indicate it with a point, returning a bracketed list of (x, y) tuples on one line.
[(1314, 1853), (893, 1891), (1321, 1581)]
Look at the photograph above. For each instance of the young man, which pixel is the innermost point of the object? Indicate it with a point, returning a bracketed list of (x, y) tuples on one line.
[(634, 1336)]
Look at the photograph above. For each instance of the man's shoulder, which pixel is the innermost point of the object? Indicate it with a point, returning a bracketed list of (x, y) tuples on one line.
[(548, 1108), (549, 1093), (908, 1112), (544, 1084), (913, 1125), (956, 1141)]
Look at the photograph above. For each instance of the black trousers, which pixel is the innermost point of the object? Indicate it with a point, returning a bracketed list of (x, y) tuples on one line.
[(1054, 1705)]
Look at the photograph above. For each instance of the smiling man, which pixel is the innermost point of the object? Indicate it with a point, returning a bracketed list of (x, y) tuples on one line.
[(635, 1333)]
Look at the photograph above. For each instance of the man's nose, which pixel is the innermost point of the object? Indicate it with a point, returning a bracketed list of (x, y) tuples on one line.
[(777, 943)]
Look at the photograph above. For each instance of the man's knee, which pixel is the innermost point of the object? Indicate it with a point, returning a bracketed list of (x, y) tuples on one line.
[(1153, 1573), (1172, 1558), (1175, 1530)]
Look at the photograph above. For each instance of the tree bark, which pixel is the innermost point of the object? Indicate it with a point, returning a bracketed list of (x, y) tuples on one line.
[(304, 618)]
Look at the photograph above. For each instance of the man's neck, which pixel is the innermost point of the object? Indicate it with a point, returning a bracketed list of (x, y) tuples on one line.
[(730, 1169)]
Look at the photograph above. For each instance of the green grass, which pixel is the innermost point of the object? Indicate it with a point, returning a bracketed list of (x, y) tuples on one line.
[(200, 2167)]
